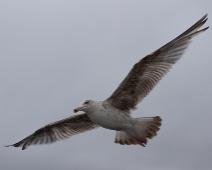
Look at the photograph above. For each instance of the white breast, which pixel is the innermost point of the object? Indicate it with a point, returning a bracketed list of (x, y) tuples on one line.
[(110, 118)]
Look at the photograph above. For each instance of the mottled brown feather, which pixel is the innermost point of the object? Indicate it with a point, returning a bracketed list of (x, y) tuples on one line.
[(147, 72), (58, 130)]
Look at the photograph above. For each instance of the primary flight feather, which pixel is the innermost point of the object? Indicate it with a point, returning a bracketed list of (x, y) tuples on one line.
[(114, 112)]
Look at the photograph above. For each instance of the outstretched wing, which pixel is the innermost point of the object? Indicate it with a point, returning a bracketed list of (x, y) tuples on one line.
[(59, 130), (147, 72)]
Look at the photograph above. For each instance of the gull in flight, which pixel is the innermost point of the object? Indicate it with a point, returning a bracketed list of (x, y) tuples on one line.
[(114, 112)]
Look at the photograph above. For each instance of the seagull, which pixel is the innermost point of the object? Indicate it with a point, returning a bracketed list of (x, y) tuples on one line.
[(114, 113)]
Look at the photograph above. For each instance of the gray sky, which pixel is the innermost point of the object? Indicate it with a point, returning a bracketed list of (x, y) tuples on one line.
[(56, 54)]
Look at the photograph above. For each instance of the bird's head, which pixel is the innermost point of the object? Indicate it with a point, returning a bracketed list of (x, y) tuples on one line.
[(86, 106)]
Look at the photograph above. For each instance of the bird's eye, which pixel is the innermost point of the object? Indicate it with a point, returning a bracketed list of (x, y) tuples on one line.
[(86, 102)]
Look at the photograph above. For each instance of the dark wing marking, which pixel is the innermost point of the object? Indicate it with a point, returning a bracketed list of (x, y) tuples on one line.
[(59, 130), (147, 72)]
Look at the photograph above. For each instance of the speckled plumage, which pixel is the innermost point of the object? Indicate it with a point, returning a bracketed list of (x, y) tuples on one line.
[(114, 112)]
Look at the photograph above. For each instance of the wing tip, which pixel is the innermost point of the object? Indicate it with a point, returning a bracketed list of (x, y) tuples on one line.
[(205, 16), (18, 145), (204, 29), (23, 148), (204, 20)]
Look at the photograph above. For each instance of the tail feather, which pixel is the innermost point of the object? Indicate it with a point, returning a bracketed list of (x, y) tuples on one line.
[(150, 124), (144, 128), (124, 139)]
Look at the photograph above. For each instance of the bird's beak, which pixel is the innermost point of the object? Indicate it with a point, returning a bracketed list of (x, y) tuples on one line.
[(78, 109)]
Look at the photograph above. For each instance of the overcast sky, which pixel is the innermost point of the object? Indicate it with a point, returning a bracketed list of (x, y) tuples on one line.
[(56, 54)]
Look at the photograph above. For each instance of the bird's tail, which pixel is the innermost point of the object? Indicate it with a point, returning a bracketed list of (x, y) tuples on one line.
[(144, 128)]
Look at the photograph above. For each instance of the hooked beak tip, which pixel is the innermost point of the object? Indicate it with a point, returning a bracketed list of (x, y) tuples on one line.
[(78, 109)]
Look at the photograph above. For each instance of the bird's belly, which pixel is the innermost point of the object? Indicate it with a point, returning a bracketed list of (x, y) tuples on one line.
[(112, 121)]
